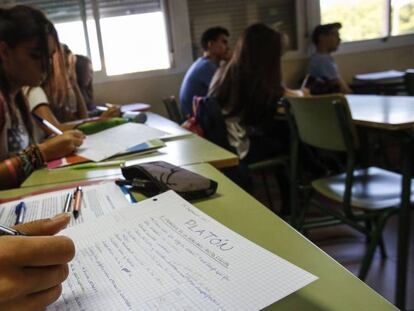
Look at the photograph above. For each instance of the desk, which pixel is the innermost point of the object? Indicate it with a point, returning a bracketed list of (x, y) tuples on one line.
[(187, 150), (384, 112), (392, 113), (163, 124), (336, 289), (387, 83)]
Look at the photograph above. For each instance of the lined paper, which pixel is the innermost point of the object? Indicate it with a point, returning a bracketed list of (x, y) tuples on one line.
[(97, 200), (167, 255)]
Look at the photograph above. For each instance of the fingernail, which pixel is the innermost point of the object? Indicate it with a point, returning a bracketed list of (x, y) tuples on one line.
[(61, 216)]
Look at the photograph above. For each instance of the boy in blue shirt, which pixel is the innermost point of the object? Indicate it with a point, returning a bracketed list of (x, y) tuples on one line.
[(322, 65), (214, 42)]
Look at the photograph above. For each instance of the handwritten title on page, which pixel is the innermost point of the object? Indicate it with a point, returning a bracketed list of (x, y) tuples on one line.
[(164, 254)]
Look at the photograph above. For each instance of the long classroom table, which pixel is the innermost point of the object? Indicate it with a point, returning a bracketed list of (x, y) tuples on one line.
[(182, 148), (336, 288)]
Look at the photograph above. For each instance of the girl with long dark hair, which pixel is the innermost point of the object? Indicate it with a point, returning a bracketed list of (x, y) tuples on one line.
[(27, 42)]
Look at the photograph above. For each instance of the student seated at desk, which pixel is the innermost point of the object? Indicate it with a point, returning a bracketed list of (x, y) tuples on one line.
[(59, 99), (247, 90), (27, 42), (84, 78), (214, 42), (322, 68)]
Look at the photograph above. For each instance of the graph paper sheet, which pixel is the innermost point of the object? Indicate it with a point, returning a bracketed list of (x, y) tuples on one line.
[(97, 200), (167, 255)]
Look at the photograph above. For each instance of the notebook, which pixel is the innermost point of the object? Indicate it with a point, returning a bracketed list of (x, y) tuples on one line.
[(165, 254)]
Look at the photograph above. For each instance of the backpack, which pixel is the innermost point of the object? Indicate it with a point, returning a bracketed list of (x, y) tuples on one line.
[(191, 123)]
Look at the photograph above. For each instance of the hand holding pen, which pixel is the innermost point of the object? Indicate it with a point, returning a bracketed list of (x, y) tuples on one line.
[(33, 267)]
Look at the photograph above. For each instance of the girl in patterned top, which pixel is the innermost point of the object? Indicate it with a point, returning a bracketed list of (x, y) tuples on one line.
[(27, 43)]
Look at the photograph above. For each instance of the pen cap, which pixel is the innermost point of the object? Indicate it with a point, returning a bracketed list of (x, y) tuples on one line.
[(135, 116)]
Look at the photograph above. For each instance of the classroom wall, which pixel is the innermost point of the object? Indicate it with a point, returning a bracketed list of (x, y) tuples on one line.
[(153, 89)]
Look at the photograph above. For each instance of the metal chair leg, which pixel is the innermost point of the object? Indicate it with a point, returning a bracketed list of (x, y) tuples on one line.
[(269, 198), (382, 247), (375, 238)]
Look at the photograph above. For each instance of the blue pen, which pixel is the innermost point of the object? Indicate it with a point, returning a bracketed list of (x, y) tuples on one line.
[(20, 212)]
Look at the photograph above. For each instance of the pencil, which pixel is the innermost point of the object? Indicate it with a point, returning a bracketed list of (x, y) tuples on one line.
[(93, 165)]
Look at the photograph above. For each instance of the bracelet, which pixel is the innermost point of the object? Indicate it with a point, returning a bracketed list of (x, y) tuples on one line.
[(12, 170), (31, 158)]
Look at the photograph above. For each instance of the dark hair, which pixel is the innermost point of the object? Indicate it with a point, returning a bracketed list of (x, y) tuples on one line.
[(324, 30), (251, 83), (17, 24), (82, 63), (212, 34)]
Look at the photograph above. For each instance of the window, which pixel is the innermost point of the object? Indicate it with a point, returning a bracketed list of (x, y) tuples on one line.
[(278, 14), (120, 36), (369, 19)]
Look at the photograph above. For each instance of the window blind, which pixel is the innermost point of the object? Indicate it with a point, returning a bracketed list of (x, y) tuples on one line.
[(69, 10), (236, 15)]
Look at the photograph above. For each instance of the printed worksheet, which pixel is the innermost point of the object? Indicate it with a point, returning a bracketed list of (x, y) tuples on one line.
[(165, 254), (118, 139), (97, 200)]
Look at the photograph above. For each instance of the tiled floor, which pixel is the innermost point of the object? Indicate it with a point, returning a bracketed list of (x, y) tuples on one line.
[(347, 247)]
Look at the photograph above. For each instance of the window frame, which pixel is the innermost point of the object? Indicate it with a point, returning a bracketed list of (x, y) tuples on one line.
[(314, 19), (179, 50)]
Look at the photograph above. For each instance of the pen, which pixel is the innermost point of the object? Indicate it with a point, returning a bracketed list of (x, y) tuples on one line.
[(46, 123), (20, 213), (78, 200), (304, 81), (104, 108), (68, 203), (93, 165), (9, 231)]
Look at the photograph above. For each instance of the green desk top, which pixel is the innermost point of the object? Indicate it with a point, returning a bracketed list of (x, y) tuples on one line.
[(187, 150), (336, 288)]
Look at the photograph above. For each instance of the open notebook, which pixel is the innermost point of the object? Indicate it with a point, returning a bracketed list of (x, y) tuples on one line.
[(116, 140), (165, 254)]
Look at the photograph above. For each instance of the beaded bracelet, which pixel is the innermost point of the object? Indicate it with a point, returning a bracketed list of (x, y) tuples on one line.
[(31, 159)]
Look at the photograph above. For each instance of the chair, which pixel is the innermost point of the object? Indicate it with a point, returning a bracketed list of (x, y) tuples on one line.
[(368, 196), (266, 166), (409, 81), (173, 111), (210, 119)]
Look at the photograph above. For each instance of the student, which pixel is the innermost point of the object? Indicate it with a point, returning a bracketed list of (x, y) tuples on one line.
[(84, 78), (214, 42), (32, 268), (322, 65), (58, 99), (27, 42), (247, 90)]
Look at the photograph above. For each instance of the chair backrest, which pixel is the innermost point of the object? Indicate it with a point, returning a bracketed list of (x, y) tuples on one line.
[(210, 118), (324, 122), (409, 81), (171, 106)]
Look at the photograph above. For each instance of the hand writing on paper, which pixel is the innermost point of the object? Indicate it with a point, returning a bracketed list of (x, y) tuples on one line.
[(32, 268), (113, 111), (61, 145)]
